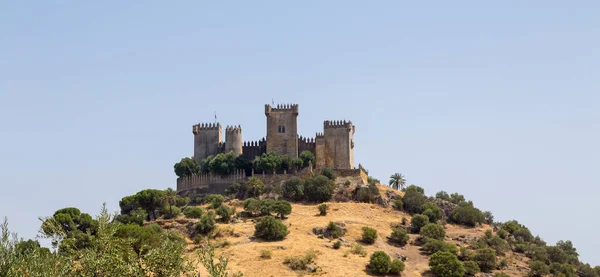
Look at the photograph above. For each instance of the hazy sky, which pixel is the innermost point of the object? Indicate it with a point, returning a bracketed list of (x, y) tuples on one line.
[(498, 101)]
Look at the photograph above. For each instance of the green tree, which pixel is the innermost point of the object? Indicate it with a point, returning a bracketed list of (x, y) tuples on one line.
[(282, 208), (471, 268), (369, 235), (486, 259), (442, 195), (170, 198), (150, 200), (538, 269), (400, 235), (293, 189), (466, 214), (417, 222), (323, 209), (372, 180), (269, 228), (268, 162), (297, 163), (432, 211), (215, 200), (307, 157), (413, 200), (397, 267), (433, 246), (329, 173), (380, 262), (397, 181), (252, 206), (206, 224), (193, 212), (186, 167), (254, 187), (446, 264), (433, 231), (318, 188), (225, 213)]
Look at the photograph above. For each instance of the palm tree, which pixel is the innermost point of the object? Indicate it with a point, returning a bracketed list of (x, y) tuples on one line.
[(397, 181), (170, 197)]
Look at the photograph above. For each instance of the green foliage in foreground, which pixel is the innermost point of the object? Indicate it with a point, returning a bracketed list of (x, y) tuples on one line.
[(111, 252)]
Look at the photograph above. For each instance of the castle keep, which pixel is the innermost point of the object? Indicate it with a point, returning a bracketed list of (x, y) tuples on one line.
[(333, 148)]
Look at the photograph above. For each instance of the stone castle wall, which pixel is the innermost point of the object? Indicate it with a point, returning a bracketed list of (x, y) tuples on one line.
[(212, 183)]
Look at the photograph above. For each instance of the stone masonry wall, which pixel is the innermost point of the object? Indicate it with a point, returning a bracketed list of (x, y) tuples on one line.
[(207, 140), (282, 129), (339, 144)]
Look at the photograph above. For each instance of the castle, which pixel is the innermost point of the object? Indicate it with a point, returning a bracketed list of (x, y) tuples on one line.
[(333, 148)]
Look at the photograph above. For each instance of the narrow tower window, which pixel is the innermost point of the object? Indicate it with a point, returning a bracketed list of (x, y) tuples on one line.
[(281, 129)]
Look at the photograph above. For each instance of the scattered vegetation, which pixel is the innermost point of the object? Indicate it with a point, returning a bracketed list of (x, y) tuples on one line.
[(369, 235), (301, 262), (270, 228), (323, 209), (266, 254)]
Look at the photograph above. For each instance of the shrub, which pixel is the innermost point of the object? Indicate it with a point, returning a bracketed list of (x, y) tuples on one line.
[(486, 259), (301, 262), (252, 205), (488, 217), (270, 228), (170, 212), (193, 212), (566, 269), (503, 264), (293, 189), (433, 246), (334, 230), (466, 215), (432, 211), (265, 254), (413, 201), (318, 188), (521, 248), (502, 234), (266, 206), (471, 268), (347, 183), (369, 235), (206, 224), (445, 264), (397, 267), (225, 213), (380, 262), (323, 209), (358, 250), (337, 244), (254, 187), (398, 204), (538, 269), (466, 254), (329, 173), (433, 231), (400, 235), (442, 195), (501, 274), (282, 208), (404, 221), (215, 200), (417, 222), (499, 245)]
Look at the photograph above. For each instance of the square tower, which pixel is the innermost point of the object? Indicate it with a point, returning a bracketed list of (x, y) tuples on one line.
[(282, 129), (207, 140), (338, 149)]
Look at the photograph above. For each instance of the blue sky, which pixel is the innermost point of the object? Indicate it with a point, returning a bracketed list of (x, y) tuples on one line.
[(498, 101)]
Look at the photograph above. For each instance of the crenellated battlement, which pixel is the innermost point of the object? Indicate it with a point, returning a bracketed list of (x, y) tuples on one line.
[(330, 124), (306, 140), (319, 135), (233, 129), (205, 126), (291, 108)]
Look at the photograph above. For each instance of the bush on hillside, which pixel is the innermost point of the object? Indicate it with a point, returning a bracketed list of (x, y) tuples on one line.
[(466, 215), (486, 259), (170, 212), (323, 209), (538, 269), (215, 200), (398, 204), (471, 268), (206, 224), (396, 267), (369, 235), (252, 206), (417, 222), (488, 217), (270, 228), (254, 187), (445, 264), (457, 198), (413, 200), (432, 211), (318, 189), (380, 262), (400, 236), (282, 208), (225, 213), (334, 230), (499, 245), (433, 231), (193, 212), (329, 173), (432, 246), (293, 189), (337, 244), (442, 195)]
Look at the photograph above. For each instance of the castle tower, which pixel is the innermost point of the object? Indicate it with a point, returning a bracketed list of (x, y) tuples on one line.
[(207, 138), (233, 139), (282, 129), (339, 145)]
